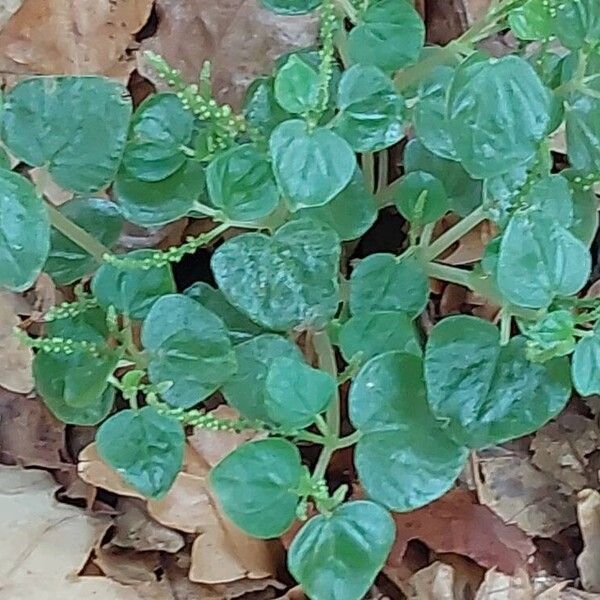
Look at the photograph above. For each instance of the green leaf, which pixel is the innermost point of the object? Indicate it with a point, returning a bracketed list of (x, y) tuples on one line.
[(89, 414), (552, 195), (260, 107), (246, 389), (291, 7), (148, 203), (532, 21), (390, 35), (431, 124), (240, 327), (540, 259), (4, 159), (371, 334), (400, 283), (76, 126), (421, 198), (257, 484), (159, 128), (351, 213), (489, 141), (585, 368), (77, 380), (284, 281), (485, 393), (132, 292), (188, 346), (553, 335), (24, 232), (582, 118), (578, 23), (371, 111), (67, 261), (144, 447), (311, 167), (464, 192), (297, 393), (240, 181), (296, 86), (338, 556), (404, 459), (585, 213)]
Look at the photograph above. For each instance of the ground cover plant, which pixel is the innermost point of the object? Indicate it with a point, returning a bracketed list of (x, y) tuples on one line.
[(288, 323)]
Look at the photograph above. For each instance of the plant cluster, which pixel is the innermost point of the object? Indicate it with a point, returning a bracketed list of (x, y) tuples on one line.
[(296, 170)]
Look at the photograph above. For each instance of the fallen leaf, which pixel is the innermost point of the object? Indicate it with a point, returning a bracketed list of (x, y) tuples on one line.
[(126, 566), (562, 448), (7, 9), (454, 297), (47, 37), (435, 582), (498, 586), (471, 246), (240, 39), (522, 494), (588, 562), (29, 435), (456, 523), (15, 357), (558, 140), (48, 544)]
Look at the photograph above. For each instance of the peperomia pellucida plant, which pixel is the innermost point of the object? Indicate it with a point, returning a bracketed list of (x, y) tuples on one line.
[(299, 174)]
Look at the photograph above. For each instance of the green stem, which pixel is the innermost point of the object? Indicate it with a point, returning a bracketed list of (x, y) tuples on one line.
[(450, 274), (138, 357), (382, 175), (368, 167), (454, 233), (426, 235), (505, 322), (348, 9), (75, 233), (349, 440)]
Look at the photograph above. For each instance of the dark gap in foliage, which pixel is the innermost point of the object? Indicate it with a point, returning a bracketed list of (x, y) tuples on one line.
[(149, 28), (386, 235), (193, 268)]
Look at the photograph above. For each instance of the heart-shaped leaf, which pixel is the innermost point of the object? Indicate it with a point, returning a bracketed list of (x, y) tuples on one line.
[(585, 368)]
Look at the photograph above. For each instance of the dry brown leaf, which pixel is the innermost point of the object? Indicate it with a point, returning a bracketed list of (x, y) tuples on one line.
[(562, 449), (61, 36), (240, 39), (588, 562), (453, 299), (456, 523), (136, 530), (471, 246), (15, 357), (48, 544), (498, 586), (29, 434), (7, 9), (127, 566), (520, 493), (558, 140), (435, 582)]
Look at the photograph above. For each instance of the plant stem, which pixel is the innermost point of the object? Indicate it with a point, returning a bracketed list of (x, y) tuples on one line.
[(349, 440), (349, 10), (75, 233), (382, 175), (368, 167), (426, 235), (505, 322), (450, 274), (454, 233)]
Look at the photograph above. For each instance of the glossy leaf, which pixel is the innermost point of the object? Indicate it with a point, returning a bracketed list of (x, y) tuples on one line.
[(89, 414), (132, 292), (240, 182), (578, 23), (371, 334), (390, 35), (351, 213), (297, 393), (76, 126), (260, 107), (485, 393), (257, 484), (67, 261), (540, 259), (337, 556), (371, 112), (148, 203), (384, 282), (246, 389), (284, 281), (24, 232), (404, 459), (582, 118), (464, 192), (144, 447), (585, 367), (498, 111), (532, 21), (160, 127), (311, 167), (239, 326), (188, 346), (421, 198), (296, 86), (291, 7)]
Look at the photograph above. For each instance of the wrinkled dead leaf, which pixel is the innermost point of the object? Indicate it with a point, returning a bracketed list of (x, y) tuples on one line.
[(562, 449), (7, 9), (29, 434), (498, 586), (15, 357), (48, 544), (435, 582), (127, 566), (520, 493), (456, 523), (61, 36), (588, 562), (136, 530), (239, 38)]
